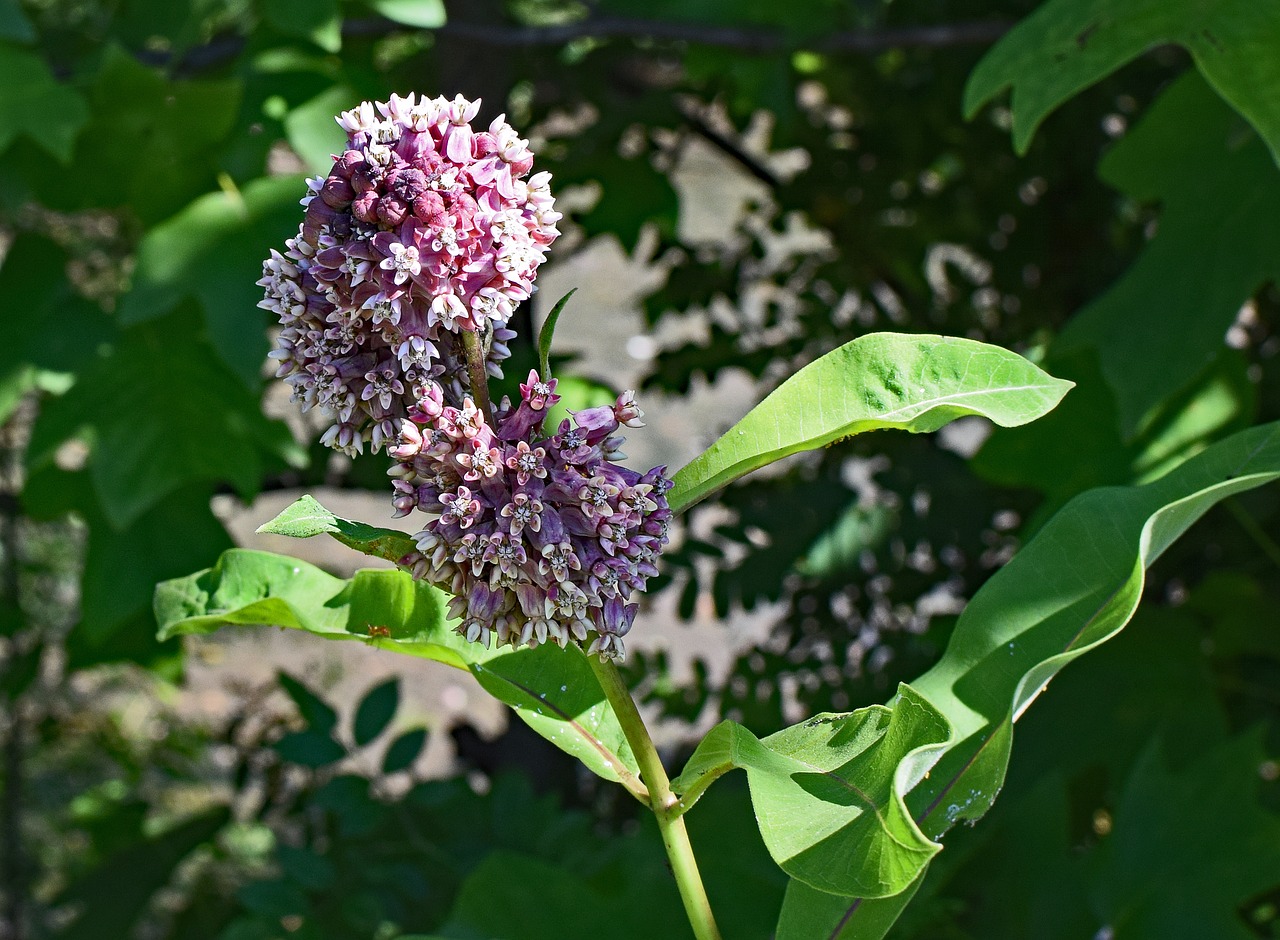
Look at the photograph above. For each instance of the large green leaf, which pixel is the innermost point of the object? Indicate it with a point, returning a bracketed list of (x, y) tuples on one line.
[(1072, 587), (1067, 45), (1216, 245), (914, 383), (553, 690), (151, 144), (828, 793), (155, 428), (212, 251)]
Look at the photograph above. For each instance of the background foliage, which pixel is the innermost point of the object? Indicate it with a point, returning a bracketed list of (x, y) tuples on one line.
[(151, 153)]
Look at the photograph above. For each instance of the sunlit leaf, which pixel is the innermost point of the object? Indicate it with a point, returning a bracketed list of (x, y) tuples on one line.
[(1071, 588), (914, 383), (828, 793), (553, 690)]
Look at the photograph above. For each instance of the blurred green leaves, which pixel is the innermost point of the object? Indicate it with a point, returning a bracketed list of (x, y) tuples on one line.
[(1067, 45)]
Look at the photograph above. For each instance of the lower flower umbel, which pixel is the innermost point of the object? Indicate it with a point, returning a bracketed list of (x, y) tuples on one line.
[(538, 538)]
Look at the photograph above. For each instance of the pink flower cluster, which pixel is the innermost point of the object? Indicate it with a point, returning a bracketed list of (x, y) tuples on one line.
[(536, 537), (424, 228)]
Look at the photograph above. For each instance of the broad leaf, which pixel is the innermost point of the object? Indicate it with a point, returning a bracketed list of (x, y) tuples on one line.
[(1067, 45), (306, 518), (914, 383), (142, 447), (1072, 587), (828, 793), (212, 251), (1217, 244), (553, 690)]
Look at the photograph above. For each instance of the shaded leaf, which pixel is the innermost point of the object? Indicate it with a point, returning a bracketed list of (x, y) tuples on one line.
[(376, 710), (1067, 45), (403, 751), (112, 897), (142, 429), (1216, 245), (547, 332), (316, 712), (881, 380), (33, 104), (212, 251)]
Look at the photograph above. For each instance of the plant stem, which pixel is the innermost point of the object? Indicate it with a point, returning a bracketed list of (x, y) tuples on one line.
[(474, 351), (675, 838)]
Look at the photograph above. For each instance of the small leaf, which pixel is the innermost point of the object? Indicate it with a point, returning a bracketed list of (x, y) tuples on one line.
[(315, 711), (306, 518), (404, 751), (915, 383), (310, 749), (547, 332), (376, 710)]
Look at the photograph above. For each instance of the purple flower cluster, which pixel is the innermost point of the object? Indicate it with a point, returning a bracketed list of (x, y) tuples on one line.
[(536, 537), (424, 228)]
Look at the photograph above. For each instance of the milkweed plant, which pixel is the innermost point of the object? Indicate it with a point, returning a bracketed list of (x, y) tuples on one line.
[(533, 540)]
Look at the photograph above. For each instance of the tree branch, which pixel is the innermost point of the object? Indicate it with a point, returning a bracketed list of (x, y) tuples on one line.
[(749, 40), (745, 39)]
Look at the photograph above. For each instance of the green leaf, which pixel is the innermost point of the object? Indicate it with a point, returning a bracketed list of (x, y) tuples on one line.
[(317, 20), (212, 251), (33, 104), (828, 793), (14, 23), (403, 751), (309, 749), (1072, 587), (553, 690), (151, 144), (316, 712), (111, 898), (1067, 45), (306, 517), (156, 428), (547, 332), (425, 14), (1216, 245), (914, 383), (313, 133), (376, 710)]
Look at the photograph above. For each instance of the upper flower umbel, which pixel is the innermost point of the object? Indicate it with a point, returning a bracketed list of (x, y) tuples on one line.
[(423, 228)]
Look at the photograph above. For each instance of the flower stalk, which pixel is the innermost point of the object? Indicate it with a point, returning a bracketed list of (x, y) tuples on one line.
[(675, 837), (473, 349)]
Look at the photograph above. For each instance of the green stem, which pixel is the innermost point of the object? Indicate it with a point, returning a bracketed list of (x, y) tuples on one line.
[(675, 838), (474, 351)]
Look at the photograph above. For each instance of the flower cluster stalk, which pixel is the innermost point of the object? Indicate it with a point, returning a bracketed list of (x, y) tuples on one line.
[(675, 837)]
